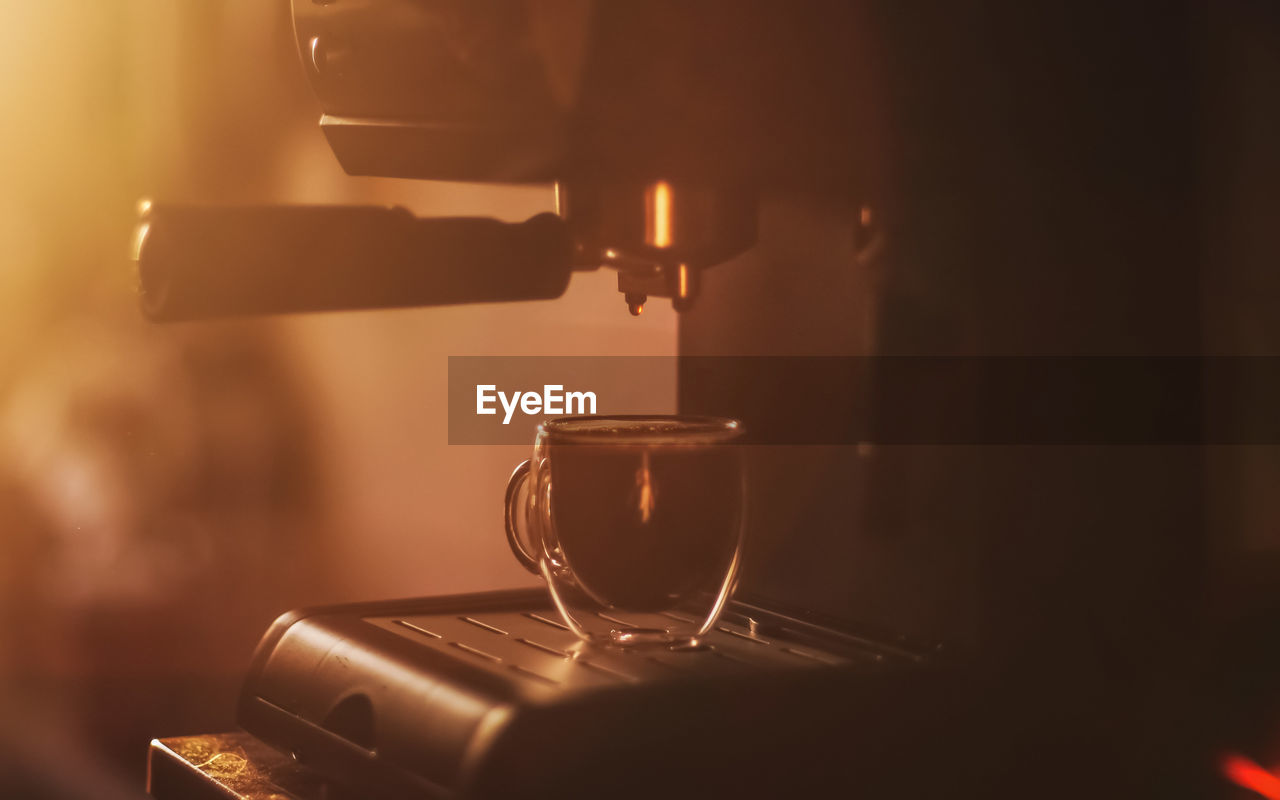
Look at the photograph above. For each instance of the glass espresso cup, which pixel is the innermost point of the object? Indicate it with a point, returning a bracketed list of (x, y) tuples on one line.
[(635, 523)]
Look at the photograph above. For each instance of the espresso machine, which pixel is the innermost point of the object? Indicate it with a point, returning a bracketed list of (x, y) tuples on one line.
[(825, 191)]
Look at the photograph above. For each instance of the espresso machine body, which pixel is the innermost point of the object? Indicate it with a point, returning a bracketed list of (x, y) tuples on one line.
[(1038, 162), (847, 184)]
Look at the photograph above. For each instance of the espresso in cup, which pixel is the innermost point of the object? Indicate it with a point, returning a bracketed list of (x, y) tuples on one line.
[(646, 527), (633, 514)]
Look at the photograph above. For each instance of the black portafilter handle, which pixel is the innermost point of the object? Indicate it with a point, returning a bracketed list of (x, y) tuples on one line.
[(201, 262)]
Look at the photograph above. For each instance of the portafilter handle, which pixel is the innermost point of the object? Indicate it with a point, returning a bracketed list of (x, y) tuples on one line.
[(198, 262)]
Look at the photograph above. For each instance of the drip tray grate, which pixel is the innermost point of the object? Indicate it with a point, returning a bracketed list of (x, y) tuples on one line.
[(430, 697), (538, 647)]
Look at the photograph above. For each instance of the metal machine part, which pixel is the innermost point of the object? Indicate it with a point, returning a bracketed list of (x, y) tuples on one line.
[(197, 263), (490, 695), (202, 262), (658, 235), (445, 90), (228, 766), (660, 151), (583, 91)]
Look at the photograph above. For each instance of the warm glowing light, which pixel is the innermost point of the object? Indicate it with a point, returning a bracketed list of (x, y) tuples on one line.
[(644, 489), (682, 276), (139, 239), (610, 253), (658, 222), (1248, 775), (317, 55)]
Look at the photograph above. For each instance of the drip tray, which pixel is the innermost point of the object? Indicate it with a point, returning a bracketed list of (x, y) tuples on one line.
[(491, 695), (537, 646)]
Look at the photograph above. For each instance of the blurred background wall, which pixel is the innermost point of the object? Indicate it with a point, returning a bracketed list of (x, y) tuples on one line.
[(166, 491)]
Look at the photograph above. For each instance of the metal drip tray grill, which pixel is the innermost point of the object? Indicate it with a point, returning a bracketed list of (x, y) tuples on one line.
[(536, 646), (432, 697)]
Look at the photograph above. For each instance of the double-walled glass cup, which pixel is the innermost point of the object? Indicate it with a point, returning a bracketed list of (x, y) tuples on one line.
[(635, 523)]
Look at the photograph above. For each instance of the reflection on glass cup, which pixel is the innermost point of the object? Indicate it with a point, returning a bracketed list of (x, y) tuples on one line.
[(635, 523)]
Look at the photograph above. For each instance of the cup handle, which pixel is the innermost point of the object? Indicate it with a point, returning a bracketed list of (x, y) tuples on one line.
[(518, 477)]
